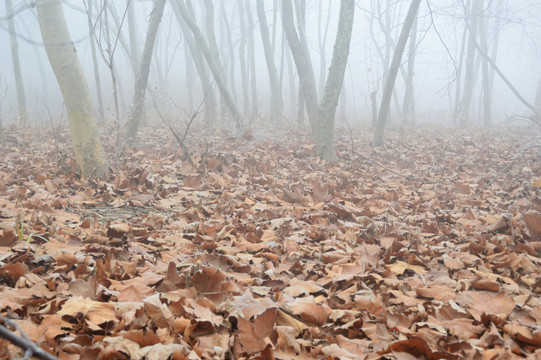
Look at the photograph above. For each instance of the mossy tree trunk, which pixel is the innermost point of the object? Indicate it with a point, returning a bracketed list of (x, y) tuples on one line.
[(72, 82)]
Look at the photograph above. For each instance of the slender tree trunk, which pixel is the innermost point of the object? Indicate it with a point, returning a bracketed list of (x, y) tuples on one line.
[(211, 61), (327, 109), (495, 45), (322, 41), (276, 95), (213, 47), (134, 38), (242, 57), (374, 103), (19, 84), (190, 69), (407, 113), (95, 62), (231, 49), (251, 60), (69, 74), (134, 118), (211, 113), (393, 72), (38, 57), (472, 20), (487, 101), (303, 63), (294, 95), (458, 88)]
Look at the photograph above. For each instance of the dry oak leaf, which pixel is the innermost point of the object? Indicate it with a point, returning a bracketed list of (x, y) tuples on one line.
[(97, 312)]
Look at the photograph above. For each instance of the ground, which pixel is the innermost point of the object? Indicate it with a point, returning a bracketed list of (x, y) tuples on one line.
[(429, 247)]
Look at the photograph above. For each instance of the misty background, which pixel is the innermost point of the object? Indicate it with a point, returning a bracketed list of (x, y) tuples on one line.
[(517, 23)]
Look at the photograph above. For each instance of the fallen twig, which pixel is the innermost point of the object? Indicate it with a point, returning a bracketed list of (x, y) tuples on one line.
[(31, 349)]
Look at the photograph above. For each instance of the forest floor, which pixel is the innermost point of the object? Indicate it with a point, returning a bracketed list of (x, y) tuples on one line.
[(429, 247)]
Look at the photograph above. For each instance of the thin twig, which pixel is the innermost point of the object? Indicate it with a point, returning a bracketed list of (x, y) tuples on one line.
[(23, 341)]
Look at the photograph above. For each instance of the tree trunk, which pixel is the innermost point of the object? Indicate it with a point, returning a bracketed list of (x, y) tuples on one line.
[(95, 62), (211, 61), (292, 75), (327, 109), (190, 69), (458, 87), (231, 49), (322, 41), (393, 72), (134, 38), (242, 57), (487, 111), (303, 63), (211, 113), (141, 80), (251, 60), (374, 103), (19, 84), (276, 94), (407, 113), (69, 74), (469, 75)]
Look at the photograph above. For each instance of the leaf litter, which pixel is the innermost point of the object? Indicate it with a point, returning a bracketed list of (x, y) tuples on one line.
[(418, 250)]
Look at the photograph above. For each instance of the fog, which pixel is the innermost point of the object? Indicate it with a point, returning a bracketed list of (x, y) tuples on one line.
[(516, 26)]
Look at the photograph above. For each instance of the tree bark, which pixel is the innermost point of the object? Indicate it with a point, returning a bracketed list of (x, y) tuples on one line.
[(231, 49), (211, 113), (407, 107), (276, 94), (134, 118), (95, 62), (69, 74), (469, 75), (487, 101), (303, 63), (211, 61), (327, 109), (251, 60), (322, 41), (242, 57), (19, 84), (393, 72), (134, 39)]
